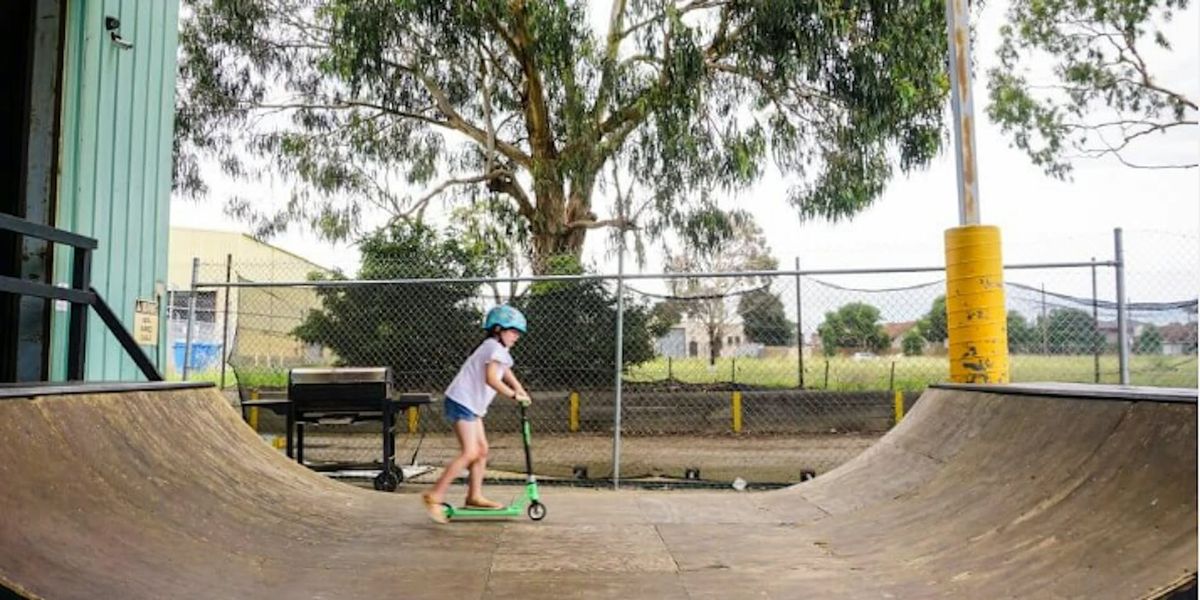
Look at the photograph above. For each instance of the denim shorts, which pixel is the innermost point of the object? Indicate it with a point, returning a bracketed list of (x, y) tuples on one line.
[(454, 411)]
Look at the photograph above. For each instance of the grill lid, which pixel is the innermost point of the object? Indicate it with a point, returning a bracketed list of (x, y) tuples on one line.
[(339, 375)]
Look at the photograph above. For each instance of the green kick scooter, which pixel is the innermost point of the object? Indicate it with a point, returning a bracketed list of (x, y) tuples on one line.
[(526, 502)]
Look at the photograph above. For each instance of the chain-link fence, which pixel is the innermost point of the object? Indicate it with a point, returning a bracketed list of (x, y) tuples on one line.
[(770, 377)]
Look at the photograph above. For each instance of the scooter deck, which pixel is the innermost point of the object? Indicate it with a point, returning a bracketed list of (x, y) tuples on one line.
[(471, 512)]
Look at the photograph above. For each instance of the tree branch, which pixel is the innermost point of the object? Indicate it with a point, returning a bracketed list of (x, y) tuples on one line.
[(457, 122), (597, 224), (507, 184), (537, 113)]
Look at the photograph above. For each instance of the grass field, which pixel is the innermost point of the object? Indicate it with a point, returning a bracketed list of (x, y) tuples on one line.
[(847, 374), (910, 373)]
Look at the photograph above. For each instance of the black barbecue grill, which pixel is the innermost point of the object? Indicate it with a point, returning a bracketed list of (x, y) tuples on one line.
[(349, 395)]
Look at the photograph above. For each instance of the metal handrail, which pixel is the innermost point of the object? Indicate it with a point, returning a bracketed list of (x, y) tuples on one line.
[(81, 295)]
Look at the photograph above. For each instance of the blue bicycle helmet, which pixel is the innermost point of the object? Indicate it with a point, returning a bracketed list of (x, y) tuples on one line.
[(506, 317)]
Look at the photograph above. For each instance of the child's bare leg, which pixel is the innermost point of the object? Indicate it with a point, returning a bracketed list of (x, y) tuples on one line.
[(478, 470), (467, 433)]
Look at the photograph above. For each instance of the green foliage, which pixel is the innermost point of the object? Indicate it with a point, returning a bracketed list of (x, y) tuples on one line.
[(572, 332), (913, 344), (380, 105), (423, 332), (1099, 95), (663, 316), (933, 325), (764, 320), (853, 327), (1071, 331), (1150, 341), (1022, 337)]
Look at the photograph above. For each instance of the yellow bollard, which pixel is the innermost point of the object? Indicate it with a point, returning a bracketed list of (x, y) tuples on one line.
[(737, 412), (898, 404), (976, 320), (573, 416), (253, 416), (414, 419)]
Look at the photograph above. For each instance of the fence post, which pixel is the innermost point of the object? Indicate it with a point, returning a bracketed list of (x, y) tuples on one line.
[(1122, 308), (225, 319), (191, 320), (573, 417), (736, 410), (1096, 324), (253, 417), (616, 472), (414, 419), (799, 330), (898, 405)]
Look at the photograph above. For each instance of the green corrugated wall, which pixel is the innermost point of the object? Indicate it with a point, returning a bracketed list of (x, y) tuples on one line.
[(115, 166)]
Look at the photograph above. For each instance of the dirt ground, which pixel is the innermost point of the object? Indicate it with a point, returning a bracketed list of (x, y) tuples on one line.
[(756, 459)]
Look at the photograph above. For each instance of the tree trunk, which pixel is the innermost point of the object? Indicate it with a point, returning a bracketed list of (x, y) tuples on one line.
[(551, 235)]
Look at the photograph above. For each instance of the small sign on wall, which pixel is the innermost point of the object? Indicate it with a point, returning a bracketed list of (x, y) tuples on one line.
[(145, 322)]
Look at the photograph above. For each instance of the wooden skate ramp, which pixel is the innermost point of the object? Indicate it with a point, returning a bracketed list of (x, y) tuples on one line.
[(159, 491)]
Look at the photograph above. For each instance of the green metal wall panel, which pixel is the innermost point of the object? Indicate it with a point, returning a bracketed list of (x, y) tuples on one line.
[(115, 180)]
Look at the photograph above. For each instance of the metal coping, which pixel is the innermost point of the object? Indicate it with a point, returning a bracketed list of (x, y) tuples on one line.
[(54, 388), (1126, 393)]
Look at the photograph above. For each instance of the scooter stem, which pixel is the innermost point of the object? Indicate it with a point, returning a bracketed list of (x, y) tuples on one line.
[(525, 440)]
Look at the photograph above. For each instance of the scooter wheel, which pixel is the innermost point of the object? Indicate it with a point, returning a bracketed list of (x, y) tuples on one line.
[(386, 481), (536, 511)]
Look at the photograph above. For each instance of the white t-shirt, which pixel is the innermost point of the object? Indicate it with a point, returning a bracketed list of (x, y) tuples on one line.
[(469, 388)]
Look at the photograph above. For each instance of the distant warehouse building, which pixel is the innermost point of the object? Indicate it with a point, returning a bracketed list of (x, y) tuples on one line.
[(259, 321)]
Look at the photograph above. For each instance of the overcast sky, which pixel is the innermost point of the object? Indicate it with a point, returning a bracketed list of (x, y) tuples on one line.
[(1042, 219)]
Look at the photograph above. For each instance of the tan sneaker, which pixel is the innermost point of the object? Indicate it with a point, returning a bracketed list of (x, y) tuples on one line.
[(435, 509)]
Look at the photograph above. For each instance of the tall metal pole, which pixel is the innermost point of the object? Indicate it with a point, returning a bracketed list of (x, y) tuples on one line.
[(1122, 307), (799, 329), (616, 477), (962, 101), (191, 321), (1045, 323), (225, 319), (1096, 324)]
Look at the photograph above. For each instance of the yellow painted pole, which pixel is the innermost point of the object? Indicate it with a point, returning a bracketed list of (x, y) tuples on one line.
[(737, 412), (573, 417), (414, 419), (898, 404), (254, 411), (976, 320)]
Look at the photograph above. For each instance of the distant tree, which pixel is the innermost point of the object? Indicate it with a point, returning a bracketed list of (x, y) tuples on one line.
[(1021, 335), (740, 246), (1099, 94), (385, 106), (572, 331), (421, 331), (933, 325), (912, 344), (1071, 331), (663, 316), (764, 319), (1150, 341), (855, 327)]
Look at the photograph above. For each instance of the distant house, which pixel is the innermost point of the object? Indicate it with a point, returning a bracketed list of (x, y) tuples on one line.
[(690, 339), (896, 332), (1112, 333), (1178, 339)]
